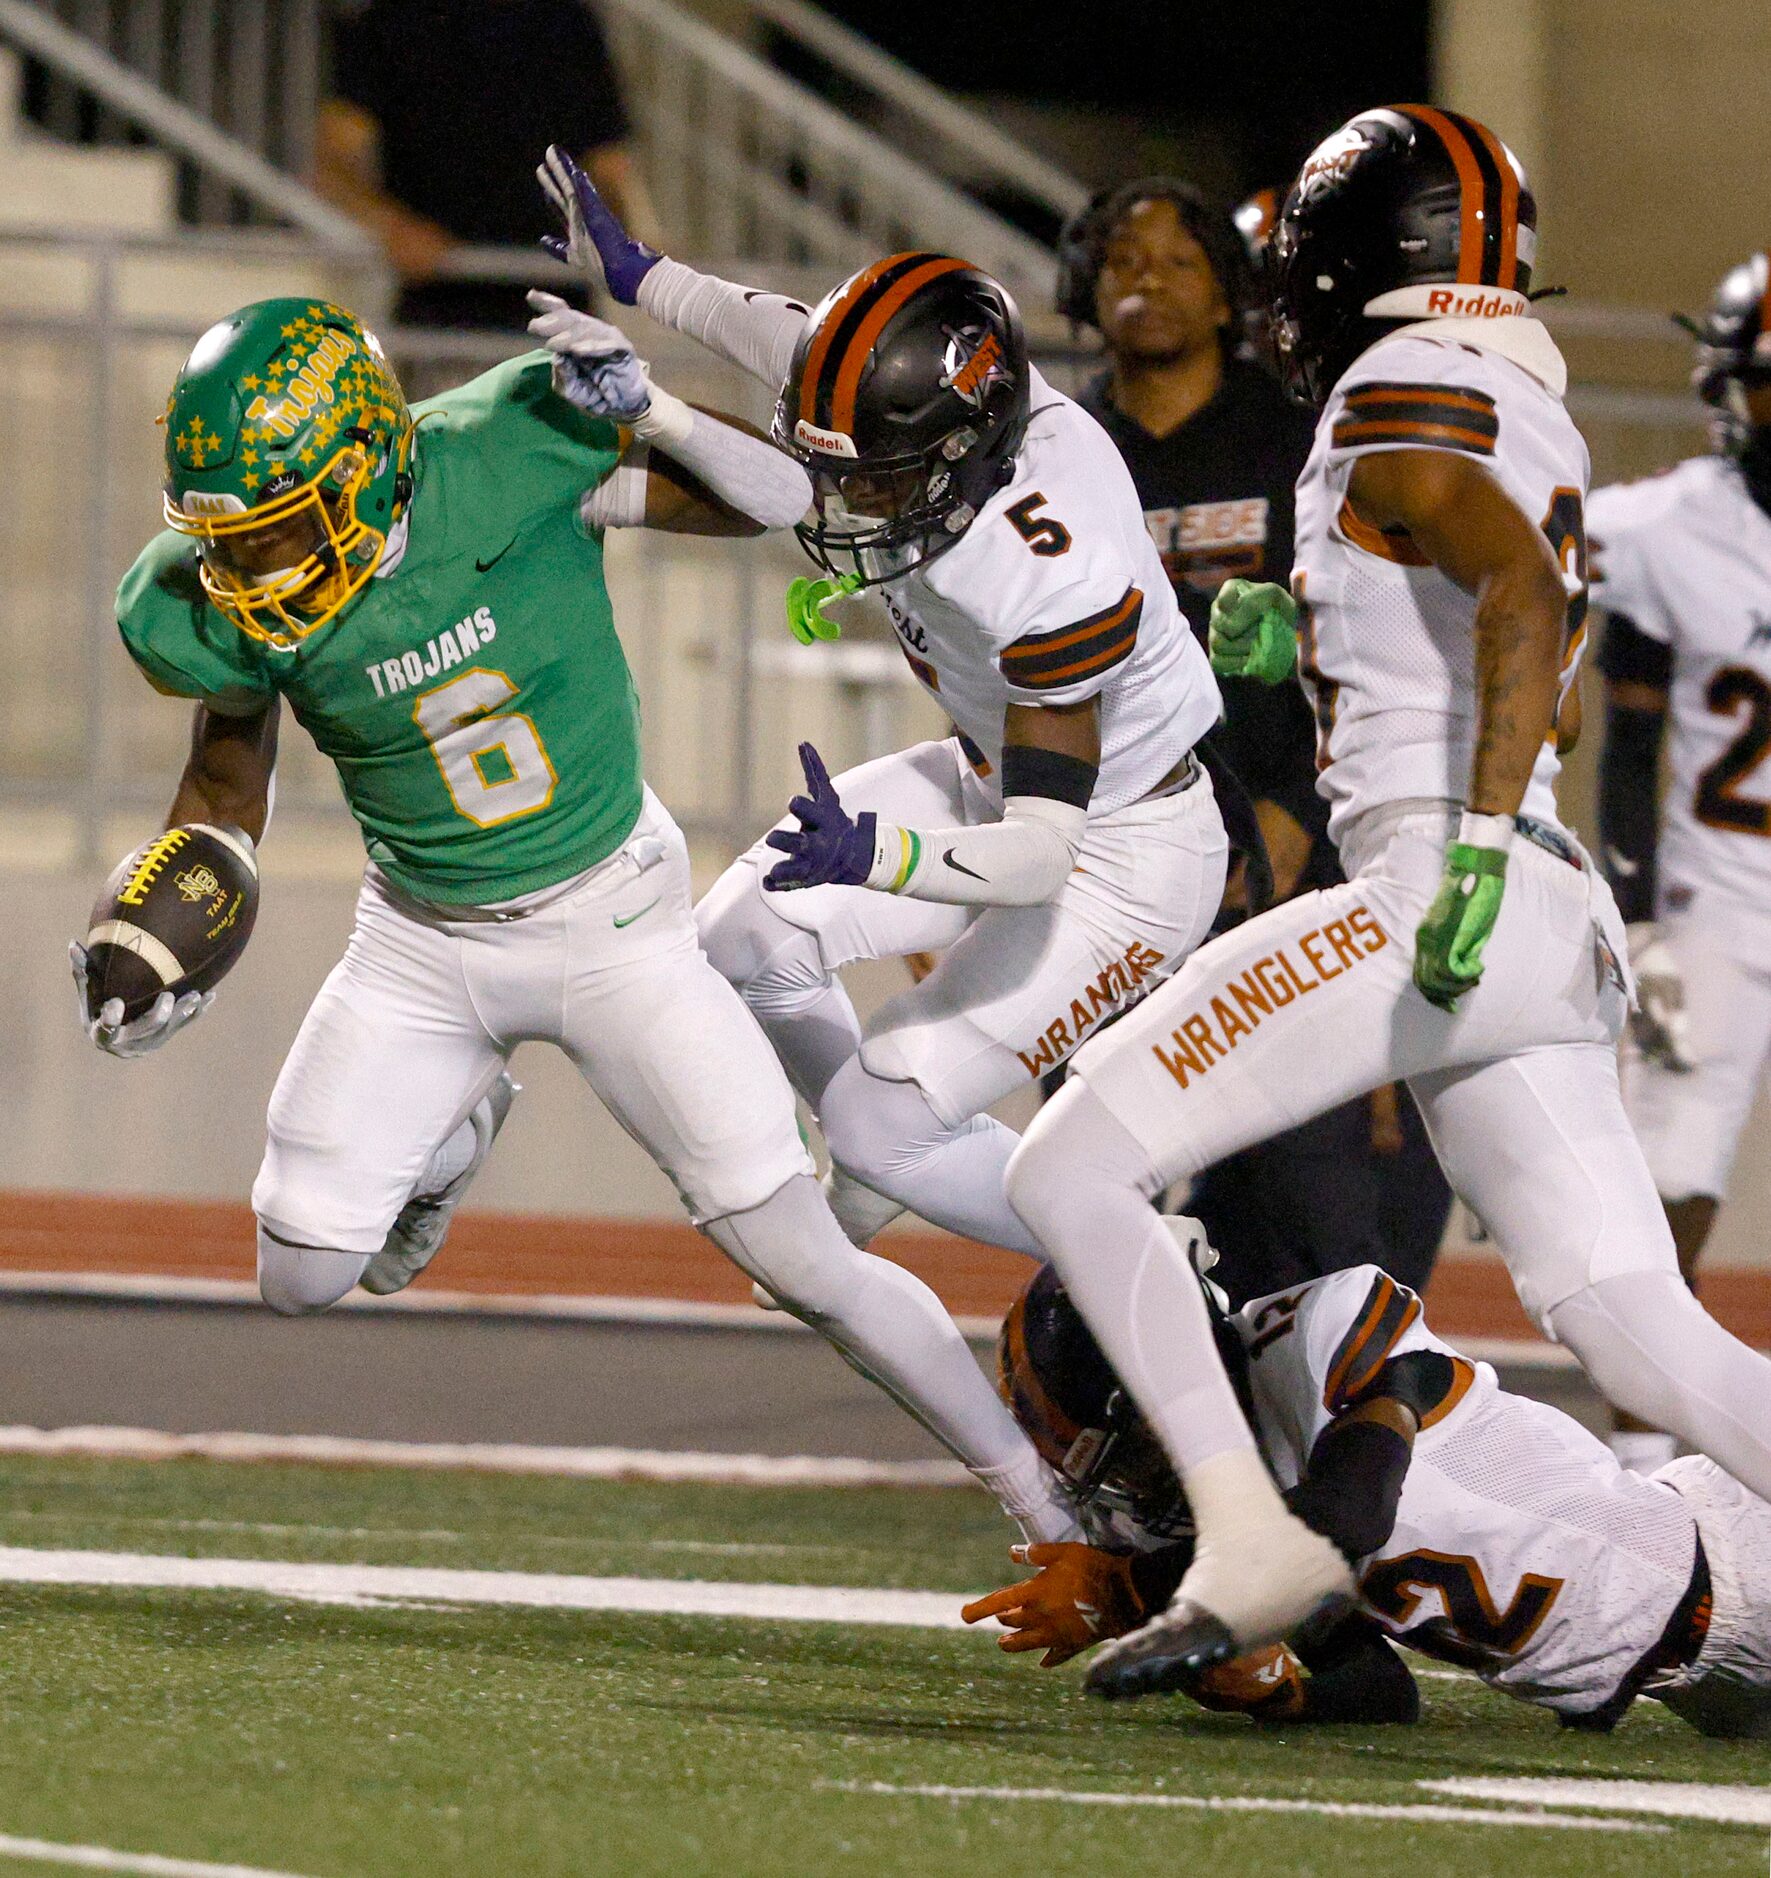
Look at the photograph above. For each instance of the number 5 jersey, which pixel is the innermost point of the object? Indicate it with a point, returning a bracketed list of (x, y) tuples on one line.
[(474, 697)]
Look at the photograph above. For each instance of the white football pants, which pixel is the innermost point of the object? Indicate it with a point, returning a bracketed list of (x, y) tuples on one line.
[(1313, 1003), (1016, 991)]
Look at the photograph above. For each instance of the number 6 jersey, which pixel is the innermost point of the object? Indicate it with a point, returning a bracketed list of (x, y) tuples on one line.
[(1387, 641), (1686, 557), (474, 696)]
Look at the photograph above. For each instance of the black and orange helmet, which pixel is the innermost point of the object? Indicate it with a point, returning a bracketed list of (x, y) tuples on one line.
[(906, 402), (1734, 358), (1405, 213), (1062, 1390)]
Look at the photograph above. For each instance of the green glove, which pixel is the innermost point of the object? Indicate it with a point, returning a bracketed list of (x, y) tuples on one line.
[(806, 600), (1253, 631), (1448, 944)]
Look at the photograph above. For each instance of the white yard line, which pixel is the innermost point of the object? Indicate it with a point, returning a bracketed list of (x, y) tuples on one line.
[(1672, 1799), (496, 1457), (359, 1584), (1250, 1803), (150, 1864)]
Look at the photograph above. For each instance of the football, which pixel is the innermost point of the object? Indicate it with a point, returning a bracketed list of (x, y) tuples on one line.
[(174, 916)]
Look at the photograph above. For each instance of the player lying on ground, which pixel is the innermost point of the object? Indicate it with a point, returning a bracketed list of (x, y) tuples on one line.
[(1683, 571), (1474, 952), (1063, 850), (426, 590), (1483, 1528)]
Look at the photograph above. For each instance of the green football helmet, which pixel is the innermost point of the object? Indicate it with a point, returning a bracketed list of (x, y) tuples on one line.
[(288, 460)]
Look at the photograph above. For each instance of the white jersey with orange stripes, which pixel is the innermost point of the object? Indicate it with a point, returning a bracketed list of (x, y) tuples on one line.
[(1521, 1549), (1055, 594), (1388, 641), (1686, 556)]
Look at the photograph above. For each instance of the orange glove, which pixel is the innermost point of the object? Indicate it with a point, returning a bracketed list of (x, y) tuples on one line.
[(1267, 1684), (1079, 1596)]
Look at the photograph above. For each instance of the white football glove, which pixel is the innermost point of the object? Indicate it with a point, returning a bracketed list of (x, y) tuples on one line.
[(163, 1019), (594, 364), (1659, 1024)]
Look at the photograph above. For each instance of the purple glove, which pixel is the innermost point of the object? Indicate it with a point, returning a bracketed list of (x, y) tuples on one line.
[(828, 849), (594, 241)]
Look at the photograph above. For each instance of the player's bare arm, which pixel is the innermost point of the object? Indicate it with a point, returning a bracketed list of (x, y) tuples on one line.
[(1467, 526), (227, 776), (1460, 518)]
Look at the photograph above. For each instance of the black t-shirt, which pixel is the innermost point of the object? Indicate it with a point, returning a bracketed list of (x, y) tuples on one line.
[(469, 94), (1219, 498)]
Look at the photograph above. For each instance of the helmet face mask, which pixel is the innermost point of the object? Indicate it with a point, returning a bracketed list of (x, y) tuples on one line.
[(1734, 361), (906, 402), (288, 456)]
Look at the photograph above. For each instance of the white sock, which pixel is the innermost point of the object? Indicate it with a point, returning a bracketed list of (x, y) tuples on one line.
[(1083, 1185), (885, 1322), (1642, 1450)]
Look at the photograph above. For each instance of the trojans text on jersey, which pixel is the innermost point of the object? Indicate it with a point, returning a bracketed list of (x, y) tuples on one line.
[(461, 641)]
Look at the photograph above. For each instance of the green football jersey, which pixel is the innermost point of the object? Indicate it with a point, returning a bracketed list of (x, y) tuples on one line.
[(476, 699)]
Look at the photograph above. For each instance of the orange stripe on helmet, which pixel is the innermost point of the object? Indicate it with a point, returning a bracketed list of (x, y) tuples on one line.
[(854, 358), (814, 365), (1451, 134), (1509, 203)]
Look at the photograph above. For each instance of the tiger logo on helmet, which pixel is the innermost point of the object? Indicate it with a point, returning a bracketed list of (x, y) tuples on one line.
[(288, 462)]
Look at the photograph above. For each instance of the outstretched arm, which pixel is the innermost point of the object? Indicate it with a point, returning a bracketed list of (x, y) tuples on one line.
[(753, 330), (690, 471)]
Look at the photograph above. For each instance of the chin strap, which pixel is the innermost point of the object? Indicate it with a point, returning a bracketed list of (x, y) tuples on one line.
[(806, 601)]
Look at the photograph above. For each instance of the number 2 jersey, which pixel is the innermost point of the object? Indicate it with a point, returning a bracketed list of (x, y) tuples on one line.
[(1387, 648), (475, 699), (1521, 1549), (1686, 557), (1053, 595)]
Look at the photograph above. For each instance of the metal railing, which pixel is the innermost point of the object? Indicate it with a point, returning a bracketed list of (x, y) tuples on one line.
[(966, 146), (742, 159), (119, 95)]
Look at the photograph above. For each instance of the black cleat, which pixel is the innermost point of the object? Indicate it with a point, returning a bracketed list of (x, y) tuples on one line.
[(1169, 1653)]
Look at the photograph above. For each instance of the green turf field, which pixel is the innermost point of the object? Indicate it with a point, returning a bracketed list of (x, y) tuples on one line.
[(334, 1741)]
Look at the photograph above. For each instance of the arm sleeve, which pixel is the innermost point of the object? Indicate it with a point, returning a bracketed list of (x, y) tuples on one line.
[(753, 330), (1020, 861), (744, 472), (1629, 787)]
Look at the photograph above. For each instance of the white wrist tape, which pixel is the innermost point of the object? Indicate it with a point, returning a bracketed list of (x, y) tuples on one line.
[(1020, 861), (666, 421), (1487, 831)]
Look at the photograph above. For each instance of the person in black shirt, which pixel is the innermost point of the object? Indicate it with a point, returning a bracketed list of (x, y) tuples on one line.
[(1215, 448), (441, 110)]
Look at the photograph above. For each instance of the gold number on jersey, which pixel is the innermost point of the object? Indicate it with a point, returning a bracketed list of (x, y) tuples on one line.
[(1719, 802), (1479, 1629), (494, 764)]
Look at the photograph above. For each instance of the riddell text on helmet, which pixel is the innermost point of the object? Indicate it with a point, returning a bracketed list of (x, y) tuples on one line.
[(1215, 1027)]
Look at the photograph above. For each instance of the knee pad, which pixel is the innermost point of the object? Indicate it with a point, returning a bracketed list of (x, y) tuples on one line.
[(774, 964), (300, 1280)]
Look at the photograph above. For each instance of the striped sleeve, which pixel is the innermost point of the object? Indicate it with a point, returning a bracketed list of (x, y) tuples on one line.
[(1074, 654), (1430, 417), (1388, 1311)]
